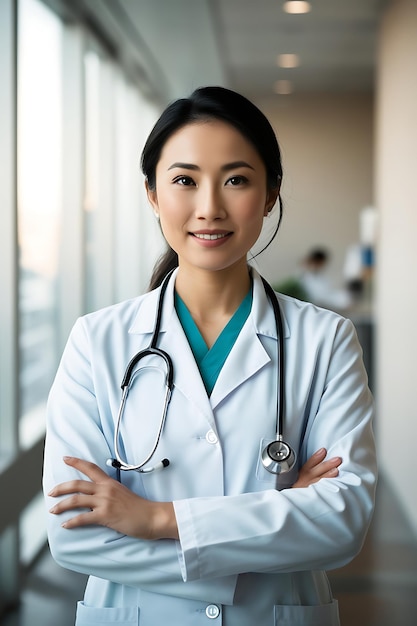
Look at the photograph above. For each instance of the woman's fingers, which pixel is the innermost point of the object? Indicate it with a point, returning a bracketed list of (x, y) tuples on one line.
[(102, 501), (326, 466), (91, 470), (315, 459), (331, 473), (83, 519), (76, 501), (316, 468), (72, 486), (82, 494), (320, 470)]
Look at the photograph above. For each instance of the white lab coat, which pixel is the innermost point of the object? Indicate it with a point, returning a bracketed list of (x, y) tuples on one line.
[(251, 550)]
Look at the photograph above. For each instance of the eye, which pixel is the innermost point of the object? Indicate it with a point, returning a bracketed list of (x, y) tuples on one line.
[(185, 181), (235, 181)]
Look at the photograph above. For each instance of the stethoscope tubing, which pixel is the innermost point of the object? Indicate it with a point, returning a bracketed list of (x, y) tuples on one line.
[(281, 360), (272, 452), (152, 350), (123, 465)]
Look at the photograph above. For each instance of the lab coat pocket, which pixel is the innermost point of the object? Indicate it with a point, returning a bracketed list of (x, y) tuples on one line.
[(274, 481), (92, 616), (321, 615)]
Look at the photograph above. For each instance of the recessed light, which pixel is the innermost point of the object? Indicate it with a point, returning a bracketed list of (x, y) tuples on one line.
[(288, 60), (283, 87), (296, 6)]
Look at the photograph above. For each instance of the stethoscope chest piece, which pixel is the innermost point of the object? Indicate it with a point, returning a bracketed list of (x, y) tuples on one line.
[(278, 457)]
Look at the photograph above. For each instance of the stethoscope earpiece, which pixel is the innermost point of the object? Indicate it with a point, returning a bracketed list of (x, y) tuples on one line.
[(113, 463), (148, 470), (278, 457)]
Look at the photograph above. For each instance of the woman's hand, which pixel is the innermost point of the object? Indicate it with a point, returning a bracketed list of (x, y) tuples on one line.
[(109, 503), (113, 505), (317, 468)]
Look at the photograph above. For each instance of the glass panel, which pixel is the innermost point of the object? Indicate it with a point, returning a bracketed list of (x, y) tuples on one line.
[(39, 208), (8, 356), (32, 530), (9, 570), (99, 180), (92, 174), (138, 241)]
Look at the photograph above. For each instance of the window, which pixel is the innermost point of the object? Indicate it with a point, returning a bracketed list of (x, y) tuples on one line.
[(138, 240), (74, 215), (99, 180), (39, 209), (39, 201)]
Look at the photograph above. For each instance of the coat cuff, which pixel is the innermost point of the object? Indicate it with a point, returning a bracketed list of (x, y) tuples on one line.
[(187, 548)]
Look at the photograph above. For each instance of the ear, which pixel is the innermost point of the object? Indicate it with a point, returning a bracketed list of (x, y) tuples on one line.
[(152, 199), (271, 199)]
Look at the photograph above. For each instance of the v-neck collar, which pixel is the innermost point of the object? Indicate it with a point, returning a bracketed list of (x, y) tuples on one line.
[(247, 357), (211, 360)]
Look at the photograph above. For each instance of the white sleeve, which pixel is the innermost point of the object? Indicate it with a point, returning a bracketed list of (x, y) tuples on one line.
[(319, 527), (74, 428)]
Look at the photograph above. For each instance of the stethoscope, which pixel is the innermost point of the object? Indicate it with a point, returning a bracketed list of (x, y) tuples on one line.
[(277, 457)]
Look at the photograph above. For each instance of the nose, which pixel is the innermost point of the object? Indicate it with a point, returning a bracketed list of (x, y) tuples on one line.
[(209, 204)]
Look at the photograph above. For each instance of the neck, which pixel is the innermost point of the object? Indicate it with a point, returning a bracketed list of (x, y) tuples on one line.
[(212, 297), (222, 291)]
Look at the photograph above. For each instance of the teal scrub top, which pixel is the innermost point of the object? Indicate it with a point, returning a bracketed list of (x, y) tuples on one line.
[(210, 361)]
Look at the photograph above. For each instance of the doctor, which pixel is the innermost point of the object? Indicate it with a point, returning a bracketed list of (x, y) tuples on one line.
[(204, 531)]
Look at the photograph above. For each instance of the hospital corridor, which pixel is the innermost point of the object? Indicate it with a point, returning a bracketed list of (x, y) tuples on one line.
[(83, 84)]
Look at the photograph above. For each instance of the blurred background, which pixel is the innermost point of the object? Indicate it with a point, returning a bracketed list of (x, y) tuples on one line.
[(81, 84)]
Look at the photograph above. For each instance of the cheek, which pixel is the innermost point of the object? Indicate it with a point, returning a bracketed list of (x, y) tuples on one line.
[(252, 216), (169, 208), (173, 216), (253, 208)]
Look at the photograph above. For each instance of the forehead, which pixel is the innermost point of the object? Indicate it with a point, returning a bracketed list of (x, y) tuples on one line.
[(208, 140)]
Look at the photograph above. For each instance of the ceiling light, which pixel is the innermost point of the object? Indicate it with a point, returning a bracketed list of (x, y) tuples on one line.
[(288, 60), (283, 87), (295, 6)]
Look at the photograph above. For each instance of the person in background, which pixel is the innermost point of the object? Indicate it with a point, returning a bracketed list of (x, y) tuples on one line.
[(313, 284), (317, 285), (217, 533)]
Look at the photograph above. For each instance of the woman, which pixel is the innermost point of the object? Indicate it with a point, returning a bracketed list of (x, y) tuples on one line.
[(216, 534)]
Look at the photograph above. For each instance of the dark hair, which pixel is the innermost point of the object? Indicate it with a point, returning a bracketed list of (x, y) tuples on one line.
[(208, 103), (317, 255)]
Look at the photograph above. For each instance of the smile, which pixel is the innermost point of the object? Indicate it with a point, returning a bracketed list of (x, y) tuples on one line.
[(211, 237)]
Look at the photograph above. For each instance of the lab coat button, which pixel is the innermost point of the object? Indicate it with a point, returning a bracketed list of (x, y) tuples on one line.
[(212, 611), (211, 437)]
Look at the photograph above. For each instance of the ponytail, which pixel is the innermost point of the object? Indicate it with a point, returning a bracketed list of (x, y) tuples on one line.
[(167, 262)]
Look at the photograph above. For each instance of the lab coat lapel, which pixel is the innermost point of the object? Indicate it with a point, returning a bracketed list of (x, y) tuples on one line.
[(187, 378), (248, 355)]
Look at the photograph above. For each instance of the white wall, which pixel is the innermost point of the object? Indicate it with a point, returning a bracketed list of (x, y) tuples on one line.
[(396, 194), (327, 151)]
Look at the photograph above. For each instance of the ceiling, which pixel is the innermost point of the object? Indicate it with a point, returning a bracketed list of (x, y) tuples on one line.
[(175, 45), (335, 41)]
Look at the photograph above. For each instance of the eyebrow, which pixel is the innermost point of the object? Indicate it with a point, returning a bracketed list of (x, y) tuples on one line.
[(225, 168)]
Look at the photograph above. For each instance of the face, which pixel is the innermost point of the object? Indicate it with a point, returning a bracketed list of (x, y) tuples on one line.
[(211, 195)]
